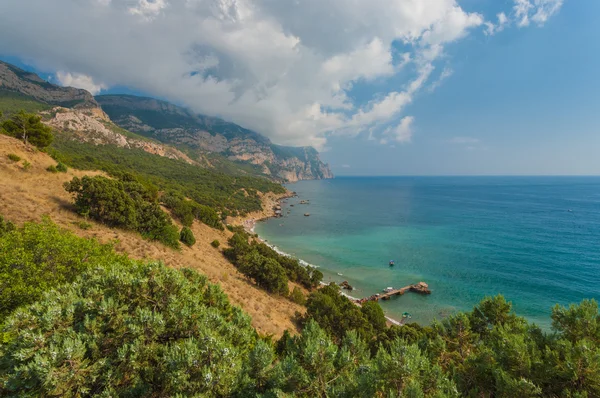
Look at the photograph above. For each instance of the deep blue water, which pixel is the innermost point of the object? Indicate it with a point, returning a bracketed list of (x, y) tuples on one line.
[(536, 240)]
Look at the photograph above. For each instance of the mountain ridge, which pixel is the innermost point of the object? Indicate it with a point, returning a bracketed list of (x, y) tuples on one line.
[(161, 128), (200, 134)]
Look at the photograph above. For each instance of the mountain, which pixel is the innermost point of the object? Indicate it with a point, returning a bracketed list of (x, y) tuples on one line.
[(156, 127), (203, 135), (13, 79)]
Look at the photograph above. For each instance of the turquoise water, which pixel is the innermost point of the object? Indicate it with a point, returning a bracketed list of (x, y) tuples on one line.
[(536, 240)]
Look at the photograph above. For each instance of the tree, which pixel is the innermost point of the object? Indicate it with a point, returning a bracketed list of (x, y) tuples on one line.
[(29, 128)]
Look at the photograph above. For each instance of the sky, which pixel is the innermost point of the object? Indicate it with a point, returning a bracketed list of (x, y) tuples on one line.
[(380, 87)]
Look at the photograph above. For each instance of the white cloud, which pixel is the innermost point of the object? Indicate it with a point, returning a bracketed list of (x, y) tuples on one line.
[(446, 73), (285, 68), (492, 29), (538, 11), (79, 80), (401, 133), (148, 9)]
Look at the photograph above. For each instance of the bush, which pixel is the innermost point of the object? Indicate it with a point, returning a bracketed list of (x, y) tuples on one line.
[(61, 167), (52, 169), (187, 237), (297, 296), (13, 157), (40, 257), (215, 243), (26, 165), (137, 331), (124, 204), (6, 226)]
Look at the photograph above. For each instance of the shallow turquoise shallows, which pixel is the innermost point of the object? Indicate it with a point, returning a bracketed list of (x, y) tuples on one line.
[(536, 240)]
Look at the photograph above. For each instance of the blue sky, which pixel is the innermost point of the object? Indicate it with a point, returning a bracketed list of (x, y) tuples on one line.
[(436, 87), (524, 101)]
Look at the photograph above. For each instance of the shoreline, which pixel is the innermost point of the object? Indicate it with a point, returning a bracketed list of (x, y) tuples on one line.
[(269, 202)]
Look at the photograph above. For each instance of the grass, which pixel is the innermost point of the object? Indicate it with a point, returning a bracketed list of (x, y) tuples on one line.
[(13, 157)]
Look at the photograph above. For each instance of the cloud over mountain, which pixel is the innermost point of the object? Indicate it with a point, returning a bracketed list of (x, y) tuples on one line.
[(282, 67)]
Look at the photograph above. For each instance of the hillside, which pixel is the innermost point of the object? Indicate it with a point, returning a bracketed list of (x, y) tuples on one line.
[(205, 135), (28, 195)]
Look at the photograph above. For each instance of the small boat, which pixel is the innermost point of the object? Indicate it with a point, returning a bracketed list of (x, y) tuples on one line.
[(306, 214), (406, 315), (388, 289), (339, 273), (392, 263)]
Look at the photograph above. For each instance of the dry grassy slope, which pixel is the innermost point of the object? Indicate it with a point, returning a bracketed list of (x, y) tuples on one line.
[(28, 195)]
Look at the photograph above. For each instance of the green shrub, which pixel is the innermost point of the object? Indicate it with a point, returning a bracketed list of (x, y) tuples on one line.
[(40, 257), (215, 243), (26, 165), (52, 169), (6, 226), (297, 296), (187, 237), (13, 157), (61, 167), (136, 331), (123, 204)]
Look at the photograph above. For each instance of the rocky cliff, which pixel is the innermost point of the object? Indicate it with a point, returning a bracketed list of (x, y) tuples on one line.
[(93, 126), (17, 80), (202, 134)]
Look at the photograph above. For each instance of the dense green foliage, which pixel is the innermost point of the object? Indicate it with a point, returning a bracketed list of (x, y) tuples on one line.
[(268, 268), (141, 331), (61, 167), (13, 157), (123, 328), (336, 314), (221, 192), (29, 128), (215, 243), (186, 236), (251, 255), (187, 211), (38, 257), (125, 204)]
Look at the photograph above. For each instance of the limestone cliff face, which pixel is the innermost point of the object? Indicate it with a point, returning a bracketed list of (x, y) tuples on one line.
[(17, 80), (177, 126), (93, 126)]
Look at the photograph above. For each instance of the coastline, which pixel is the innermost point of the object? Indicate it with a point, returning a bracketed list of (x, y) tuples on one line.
[(270, 202)]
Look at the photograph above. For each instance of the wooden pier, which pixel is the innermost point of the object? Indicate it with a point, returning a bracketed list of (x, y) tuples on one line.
[(420, 287)]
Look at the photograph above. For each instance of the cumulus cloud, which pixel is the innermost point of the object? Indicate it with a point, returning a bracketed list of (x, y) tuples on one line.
[(285, 68), (79, 80)]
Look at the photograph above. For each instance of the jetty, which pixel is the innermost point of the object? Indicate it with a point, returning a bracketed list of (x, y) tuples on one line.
[(421, 288)]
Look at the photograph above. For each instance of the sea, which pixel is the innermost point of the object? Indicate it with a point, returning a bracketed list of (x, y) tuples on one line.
[(535, 240)]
